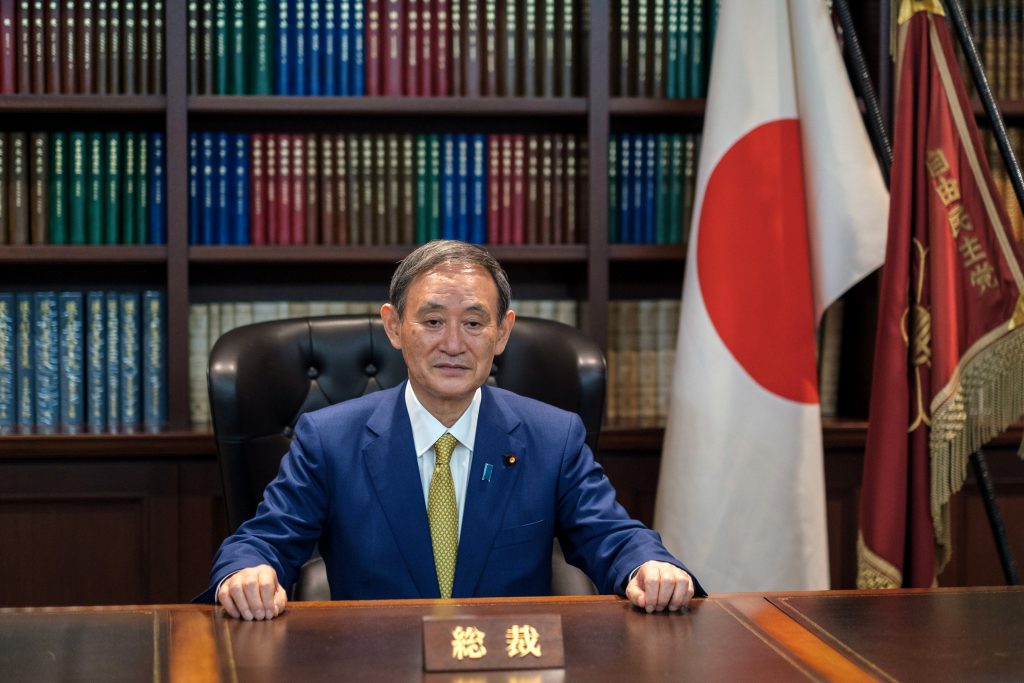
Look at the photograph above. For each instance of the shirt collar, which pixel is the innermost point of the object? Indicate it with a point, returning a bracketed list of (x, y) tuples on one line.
[(426, 429)]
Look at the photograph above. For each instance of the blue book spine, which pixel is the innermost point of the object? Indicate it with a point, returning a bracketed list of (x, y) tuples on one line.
[(448, 187), (283, 86), (46, 361), (24, 368), (650, 188), (157, 208), (131, 389), (95, 362), (625, 189), (8, 341), (240, 189), (478, 190), (207, 189), (357, 42), (222, 209), (462, 187), (72, 404), (154, 362), (344, 47), (314, 47), (637, 220), (328, 47), (112, 317), (298, 39), (194, 194)]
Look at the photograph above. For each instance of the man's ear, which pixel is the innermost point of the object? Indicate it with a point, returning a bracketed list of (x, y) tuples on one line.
[(504, 330), (389, 315)]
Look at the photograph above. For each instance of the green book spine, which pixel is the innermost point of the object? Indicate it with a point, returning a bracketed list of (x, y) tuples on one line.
[(567, 26), (672, 50), (192, 42), (688, 180), (129, 26), (697, 86), (261, 42), (237, 44), (422, 182), (112, 192), (625, 49), (658, 50), (157, 46), (128, 189), (683, 37), (613, 189), (675, 204), (58, 188), (141, 223), (220, 38), (77, 192), (94, 188), (434, 187), (207, 51), (643, 84), (663, 189)]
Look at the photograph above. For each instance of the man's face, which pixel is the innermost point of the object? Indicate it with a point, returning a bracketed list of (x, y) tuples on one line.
[(449, 335)]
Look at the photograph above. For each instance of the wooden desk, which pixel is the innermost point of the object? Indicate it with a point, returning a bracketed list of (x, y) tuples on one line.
[(954, 634)]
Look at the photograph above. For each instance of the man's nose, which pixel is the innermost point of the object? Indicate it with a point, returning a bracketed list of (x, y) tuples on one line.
[(451, 342)]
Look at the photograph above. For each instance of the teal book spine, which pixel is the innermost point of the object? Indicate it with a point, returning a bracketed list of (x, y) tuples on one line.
[(262, 48), (131, 387), (422, 184), (684, 56), (672, 50), (72, 404), (58, 189), (94, 200), (24, 368), (675, 205), (112, 318), (77, 190), (662, 182), (154, 361), (95, 362), (112, 191), (697, 85), (221, 49), (238, 48), (46, 361), (434, 188), (613, 189), (128, 208), (141, 222), (8, 341)]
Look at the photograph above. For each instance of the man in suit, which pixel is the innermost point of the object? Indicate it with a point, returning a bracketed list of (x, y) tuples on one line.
[(442, 486)]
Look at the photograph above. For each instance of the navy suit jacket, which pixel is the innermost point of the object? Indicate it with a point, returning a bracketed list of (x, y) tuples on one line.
[(351, 482)]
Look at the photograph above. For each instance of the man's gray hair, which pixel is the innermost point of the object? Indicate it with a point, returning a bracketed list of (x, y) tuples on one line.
[(443, 252)]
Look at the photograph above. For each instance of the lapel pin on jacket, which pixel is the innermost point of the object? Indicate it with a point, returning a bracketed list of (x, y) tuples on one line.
[(511, 460)]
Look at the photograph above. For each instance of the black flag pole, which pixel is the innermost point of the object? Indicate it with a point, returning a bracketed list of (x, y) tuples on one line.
[(861, 79)]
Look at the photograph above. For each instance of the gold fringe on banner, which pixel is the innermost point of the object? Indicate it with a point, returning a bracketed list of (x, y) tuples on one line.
[(873, 572)]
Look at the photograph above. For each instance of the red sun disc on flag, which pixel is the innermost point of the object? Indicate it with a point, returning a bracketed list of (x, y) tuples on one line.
[(753, 260)]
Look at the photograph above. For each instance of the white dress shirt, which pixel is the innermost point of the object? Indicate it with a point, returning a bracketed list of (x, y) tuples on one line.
[(426, 430)]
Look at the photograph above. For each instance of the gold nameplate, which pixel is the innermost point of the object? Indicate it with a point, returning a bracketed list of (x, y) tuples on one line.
[(474, 643)]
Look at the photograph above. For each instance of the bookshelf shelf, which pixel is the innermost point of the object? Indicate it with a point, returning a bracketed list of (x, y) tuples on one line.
[(60, 255), (398, 107), (84, 104), (388, 255), (647, 252), (173, 444), (649, 106)]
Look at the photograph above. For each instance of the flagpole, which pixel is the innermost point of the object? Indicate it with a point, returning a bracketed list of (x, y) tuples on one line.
[(858, 69)]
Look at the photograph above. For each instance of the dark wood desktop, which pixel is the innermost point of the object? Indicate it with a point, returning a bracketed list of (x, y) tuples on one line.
[(944, 634)]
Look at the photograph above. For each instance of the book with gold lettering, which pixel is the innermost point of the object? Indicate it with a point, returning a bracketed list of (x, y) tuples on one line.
[(154, 361), (490, 48), (509, 48), (95, 362), (518, 228), (95, 187), (130, 361), (298, 198), (495, 181), (391, 46), (18, 189), (374, 53), (72, 362), (46, 361), (39, 189), (441, 55), (341, 189), (24, 366), (407, 180), (312, 192), (144, 48), (129, 47), (8, 48), (413, 51), (328, 190), (58, 222)]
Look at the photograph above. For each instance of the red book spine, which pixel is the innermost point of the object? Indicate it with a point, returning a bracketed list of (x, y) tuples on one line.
[(426, 57), (494, 182), (505, 232), (284, 189), (53, 55), (341, 148), (298, 189), (372, 50), (270, 183), (23, 27), (440, 55), (257, 190), (412, 48), (393, 57), (518, 189), (38, 47), (8, 49), (70, 46)]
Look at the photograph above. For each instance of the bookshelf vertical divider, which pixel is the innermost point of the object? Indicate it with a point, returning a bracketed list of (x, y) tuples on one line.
[(597, 174)]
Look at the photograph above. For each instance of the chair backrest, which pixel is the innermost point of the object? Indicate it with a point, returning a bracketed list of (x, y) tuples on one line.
[(262, 377)]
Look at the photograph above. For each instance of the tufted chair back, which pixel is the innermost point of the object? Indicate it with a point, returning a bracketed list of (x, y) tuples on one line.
[(262, 377)]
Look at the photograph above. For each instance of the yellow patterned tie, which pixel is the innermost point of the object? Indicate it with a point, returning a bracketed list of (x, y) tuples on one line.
[(444, 515)]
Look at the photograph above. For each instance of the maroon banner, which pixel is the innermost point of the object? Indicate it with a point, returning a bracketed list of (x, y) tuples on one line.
[(949, 358)]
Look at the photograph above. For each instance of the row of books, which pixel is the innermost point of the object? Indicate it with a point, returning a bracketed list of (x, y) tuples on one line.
[(384, 47), (73, 362), (364, 189), (998, 29), (1015, 136), (641, 356), (208, 321), (82, 188), (651, 179), (85, 47), (662, 49)]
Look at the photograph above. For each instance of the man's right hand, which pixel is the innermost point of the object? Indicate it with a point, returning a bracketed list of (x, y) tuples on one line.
[(253, 593)]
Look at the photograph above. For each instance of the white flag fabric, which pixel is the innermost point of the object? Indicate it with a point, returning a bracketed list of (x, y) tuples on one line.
[(791, 210)]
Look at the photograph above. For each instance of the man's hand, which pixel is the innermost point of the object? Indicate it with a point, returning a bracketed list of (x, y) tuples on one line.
[(657, 585), (253, 593)]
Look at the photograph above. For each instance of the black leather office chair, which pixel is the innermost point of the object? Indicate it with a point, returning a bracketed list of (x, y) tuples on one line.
[(262, 377)]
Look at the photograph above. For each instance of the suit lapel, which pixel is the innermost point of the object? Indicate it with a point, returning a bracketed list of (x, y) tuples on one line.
[(486, 499), (391, 461)]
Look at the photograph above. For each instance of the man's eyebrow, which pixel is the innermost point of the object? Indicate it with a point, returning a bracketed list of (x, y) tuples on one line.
[(477, 308)]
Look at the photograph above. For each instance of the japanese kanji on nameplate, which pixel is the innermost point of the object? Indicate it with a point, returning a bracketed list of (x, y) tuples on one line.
[(532, 641)]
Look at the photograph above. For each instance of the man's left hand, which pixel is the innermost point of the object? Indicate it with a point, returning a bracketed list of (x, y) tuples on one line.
[(660, 585)]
